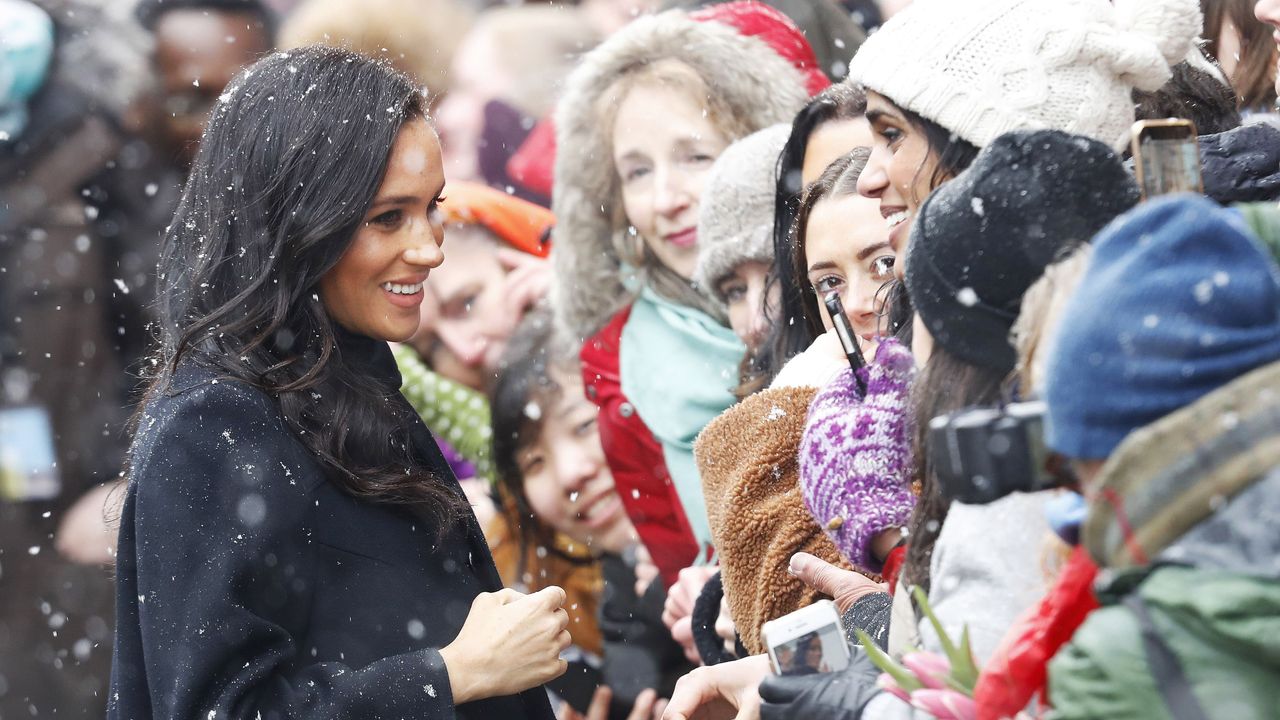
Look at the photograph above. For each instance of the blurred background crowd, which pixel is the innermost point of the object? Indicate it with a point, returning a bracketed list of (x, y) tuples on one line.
[(556, 334)]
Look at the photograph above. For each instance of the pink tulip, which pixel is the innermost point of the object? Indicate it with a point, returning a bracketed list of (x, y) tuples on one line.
[(931, 668), (945, 704), (888, 684)]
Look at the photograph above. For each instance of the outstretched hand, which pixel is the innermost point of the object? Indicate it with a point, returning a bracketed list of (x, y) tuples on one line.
[(845, 587), (728, 691)]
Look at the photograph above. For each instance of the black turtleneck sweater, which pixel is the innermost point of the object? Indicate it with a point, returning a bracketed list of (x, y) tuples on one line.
[(251, 586)]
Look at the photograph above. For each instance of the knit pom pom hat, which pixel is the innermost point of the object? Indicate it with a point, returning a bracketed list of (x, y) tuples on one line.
[(756, 85), (981, 68), (735, 214)]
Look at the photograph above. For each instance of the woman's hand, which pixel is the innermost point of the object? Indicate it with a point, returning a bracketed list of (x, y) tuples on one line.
[(678, 611), (844, 586), (510, 642), (527, 282), (720, 692), (647, 707)]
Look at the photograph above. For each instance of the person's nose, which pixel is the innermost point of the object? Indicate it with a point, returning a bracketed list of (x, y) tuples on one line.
[(461, 340), (1268, 11), (758, 328), (671, 192), (423, 250), (875, 177), (575, 468)]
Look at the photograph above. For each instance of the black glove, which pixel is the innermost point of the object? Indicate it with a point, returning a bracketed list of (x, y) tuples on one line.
[(828, 696)]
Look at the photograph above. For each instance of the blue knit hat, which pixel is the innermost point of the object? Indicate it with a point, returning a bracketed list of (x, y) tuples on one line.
[(1179, 300)]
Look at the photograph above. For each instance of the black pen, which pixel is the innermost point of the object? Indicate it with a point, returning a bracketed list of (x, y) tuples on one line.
[(844, 331)]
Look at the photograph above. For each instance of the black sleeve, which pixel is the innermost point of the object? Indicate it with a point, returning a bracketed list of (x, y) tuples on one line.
[(224, 576)]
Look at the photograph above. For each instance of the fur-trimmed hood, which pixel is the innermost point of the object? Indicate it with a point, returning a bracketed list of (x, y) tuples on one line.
[(757, 85)]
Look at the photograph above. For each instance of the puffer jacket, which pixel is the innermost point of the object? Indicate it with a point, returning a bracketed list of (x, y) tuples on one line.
[(1188, 539)]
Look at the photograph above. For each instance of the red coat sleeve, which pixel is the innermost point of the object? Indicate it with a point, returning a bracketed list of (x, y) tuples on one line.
[(635, 457)]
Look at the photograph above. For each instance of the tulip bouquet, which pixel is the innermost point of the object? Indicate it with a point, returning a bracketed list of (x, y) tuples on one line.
[(939, 684)]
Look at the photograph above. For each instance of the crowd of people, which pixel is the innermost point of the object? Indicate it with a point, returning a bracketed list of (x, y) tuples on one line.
[(447, 358)]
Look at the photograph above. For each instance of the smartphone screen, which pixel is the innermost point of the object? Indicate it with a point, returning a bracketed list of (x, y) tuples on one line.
[(28, 467), (819, 651), (1167, 158)]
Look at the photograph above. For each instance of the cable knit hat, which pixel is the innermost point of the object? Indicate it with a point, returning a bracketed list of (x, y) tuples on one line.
[(735, 214), (982, 239), (757, 86), (981, 68), (1179, 300)]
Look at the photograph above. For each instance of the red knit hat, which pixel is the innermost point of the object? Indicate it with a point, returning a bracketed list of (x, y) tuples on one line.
[(532, 164)]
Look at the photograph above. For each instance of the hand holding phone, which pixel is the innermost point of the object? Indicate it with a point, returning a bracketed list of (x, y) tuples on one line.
[(1166, 157), (807, 641)]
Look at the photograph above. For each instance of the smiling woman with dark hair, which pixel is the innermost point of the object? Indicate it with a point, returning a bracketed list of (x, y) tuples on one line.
[(292, 542)]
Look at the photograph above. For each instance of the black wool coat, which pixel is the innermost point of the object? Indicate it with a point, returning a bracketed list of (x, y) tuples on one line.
[(251, 586)]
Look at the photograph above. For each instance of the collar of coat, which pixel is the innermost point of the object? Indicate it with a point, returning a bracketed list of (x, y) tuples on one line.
[(1171, 475)]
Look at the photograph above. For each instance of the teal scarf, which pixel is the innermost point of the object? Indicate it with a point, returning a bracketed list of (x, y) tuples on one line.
[(678, 368)]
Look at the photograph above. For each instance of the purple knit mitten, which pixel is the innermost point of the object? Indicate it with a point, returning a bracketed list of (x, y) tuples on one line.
[(855, 456)]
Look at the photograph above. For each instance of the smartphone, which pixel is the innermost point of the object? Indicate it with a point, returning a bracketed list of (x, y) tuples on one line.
[(844, 331), (1166, 157), (807, 641)]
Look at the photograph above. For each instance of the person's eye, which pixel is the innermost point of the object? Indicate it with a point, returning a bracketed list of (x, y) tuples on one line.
[(531, 465), (702, 158), (891, 135), (827, 283), (633, 174), (433, 211), (734, 293), (882, 267), (585, 426), (458, 307), (388, 220)]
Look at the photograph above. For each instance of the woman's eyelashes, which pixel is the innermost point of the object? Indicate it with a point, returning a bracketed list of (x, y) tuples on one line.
[(388, 220), (827, 283), (391, 219), (882, 268), (733, 292)]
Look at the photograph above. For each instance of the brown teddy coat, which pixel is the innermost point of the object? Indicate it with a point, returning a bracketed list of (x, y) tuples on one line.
[(748, 461)]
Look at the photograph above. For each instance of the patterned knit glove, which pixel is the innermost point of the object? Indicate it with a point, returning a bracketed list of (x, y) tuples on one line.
[(855, 456)]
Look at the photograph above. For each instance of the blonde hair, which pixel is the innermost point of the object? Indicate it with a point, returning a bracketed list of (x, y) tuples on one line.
[(670, 74), (1032, 336), (418, 37), (1042, 305)]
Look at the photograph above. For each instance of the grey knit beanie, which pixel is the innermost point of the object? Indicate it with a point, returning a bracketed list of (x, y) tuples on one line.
[(735, 214)]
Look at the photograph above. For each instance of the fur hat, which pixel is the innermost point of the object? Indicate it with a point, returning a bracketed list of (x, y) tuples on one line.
[(735, 216), (981, 68), (759, 87)]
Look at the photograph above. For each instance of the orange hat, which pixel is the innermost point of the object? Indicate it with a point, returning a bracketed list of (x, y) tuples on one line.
[(519, 223)]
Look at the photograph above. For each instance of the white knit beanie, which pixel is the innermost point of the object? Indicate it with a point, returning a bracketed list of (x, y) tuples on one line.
[(735, 214), (981, 68)]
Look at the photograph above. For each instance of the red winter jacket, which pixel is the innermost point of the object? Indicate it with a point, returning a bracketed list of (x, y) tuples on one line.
[(635, 457), (1018, 670)]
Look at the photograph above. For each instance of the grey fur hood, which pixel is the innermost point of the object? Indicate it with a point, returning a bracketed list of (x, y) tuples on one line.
[(758, 86)]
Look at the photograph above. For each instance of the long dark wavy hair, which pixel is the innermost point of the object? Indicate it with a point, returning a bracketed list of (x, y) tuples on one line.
[(788, 330), (292, 157), (946, 384)]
